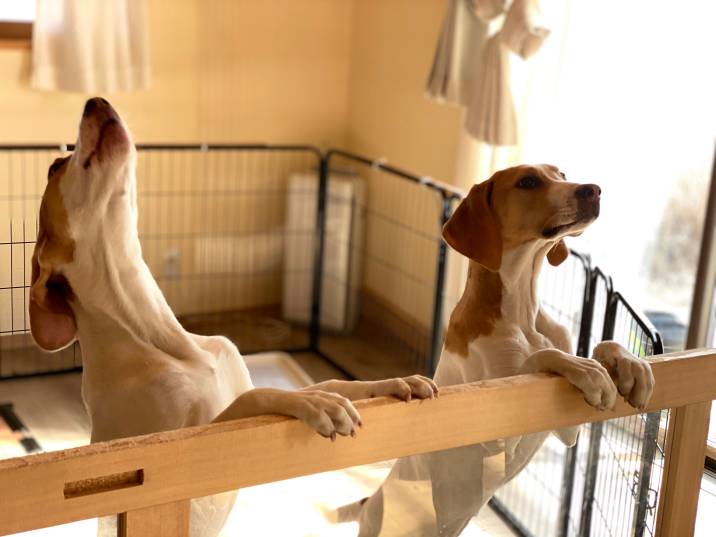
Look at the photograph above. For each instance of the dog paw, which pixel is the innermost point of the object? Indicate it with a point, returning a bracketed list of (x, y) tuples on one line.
[(406, 388), (593, 380), (632, 375), (328, 413)]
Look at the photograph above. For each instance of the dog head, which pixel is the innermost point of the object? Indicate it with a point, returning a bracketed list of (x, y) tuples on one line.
[(90, 197), (518, 205)]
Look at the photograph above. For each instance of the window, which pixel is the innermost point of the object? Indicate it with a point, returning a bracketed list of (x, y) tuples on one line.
[(16, 23), (622, 95)]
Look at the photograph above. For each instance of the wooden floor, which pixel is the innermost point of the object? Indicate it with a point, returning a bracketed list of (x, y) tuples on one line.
[(370, 351), (52, 409)]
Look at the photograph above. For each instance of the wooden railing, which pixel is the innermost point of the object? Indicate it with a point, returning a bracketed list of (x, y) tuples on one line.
[(148, 480)]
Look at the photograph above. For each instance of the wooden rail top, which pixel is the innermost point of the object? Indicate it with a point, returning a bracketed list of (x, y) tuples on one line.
[(128, 474)]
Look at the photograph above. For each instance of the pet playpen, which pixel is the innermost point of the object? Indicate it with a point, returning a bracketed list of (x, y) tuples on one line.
[(290, 248)]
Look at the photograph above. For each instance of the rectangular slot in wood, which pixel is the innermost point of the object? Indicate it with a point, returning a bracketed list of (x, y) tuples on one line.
[(105, 483)]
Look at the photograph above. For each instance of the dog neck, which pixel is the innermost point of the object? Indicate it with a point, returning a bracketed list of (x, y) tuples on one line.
[(519, 273), (509, 295), (117, 300)]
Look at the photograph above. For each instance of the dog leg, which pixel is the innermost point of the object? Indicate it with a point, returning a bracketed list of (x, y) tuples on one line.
[(588, 375), (404, 388), (632, 375), (328, 413)]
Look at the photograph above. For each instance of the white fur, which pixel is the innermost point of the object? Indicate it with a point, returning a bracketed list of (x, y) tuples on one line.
[(444, 490), (143, 372)]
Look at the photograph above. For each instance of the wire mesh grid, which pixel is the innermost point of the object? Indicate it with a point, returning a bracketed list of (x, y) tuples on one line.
[(625, 462), (213, 229), (600, 291), (621, 465), (382, 244), (533, 500), (22, 181), (617, 467)]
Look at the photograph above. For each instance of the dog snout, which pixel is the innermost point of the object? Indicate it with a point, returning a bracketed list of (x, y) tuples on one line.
[(588, 192), (94, 104), (91, 105)]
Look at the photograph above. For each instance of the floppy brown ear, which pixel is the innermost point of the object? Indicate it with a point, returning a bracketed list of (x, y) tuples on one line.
[(473, 229), (52, 322), (558, 253)]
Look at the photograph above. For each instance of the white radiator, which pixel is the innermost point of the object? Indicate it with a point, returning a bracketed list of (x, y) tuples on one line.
[(342, 255)]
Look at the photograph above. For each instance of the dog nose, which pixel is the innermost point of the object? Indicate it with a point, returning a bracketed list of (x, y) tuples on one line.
[(92, 104), (588, 192)]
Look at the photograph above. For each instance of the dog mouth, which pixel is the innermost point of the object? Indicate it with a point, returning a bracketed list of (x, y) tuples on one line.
[(583, 218), (107, 125), (102, 130), (551, 232)]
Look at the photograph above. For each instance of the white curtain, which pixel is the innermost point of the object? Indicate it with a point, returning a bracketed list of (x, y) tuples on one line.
[(473, 61), (90, 46)]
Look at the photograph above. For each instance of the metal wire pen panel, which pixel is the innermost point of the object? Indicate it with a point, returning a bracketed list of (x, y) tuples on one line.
[(382, 244), (213, 228), (533, 500), (600, 291), (22, 180), (606, 485), (625, 461), (561, 291), (214, 233)]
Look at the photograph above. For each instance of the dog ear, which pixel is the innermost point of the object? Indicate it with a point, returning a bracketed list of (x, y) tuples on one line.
[(473, 229), (52, 322), (558, 253)]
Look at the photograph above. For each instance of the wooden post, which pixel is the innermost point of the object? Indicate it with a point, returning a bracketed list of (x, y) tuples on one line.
[(166, 520), (683, 470)]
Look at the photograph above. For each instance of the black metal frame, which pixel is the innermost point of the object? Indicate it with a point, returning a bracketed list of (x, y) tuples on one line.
[(447, 196)]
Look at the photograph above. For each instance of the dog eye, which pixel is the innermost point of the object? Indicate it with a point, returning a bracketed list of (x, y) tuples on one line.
[(563, 175), (528, 182)]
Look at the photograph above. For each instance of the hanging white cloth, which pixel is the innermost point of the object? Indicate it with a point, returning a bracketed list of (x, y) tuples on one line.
[(524, 29), (90, 46), (491, 112), (472, 69), (463, 33)]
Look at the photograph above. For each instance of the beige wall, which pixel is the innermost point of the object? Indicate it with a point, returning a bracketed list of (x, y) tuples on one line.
[(392, 50), (389, 116), (222, 70), (345, 73)]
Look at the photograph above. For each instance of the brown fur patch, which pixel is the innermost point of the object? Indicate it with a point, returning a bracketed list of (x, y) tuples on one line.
[(477, 311), (54, 244)]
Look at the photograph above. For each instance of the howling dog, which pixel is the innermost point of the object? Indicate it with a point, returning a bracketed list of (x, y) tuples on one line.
[(143, 372)]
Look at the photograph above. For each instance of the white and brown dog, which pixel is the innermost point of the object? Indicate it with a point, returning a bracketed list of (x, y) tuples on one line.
[(506, 227), (142, 371)]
